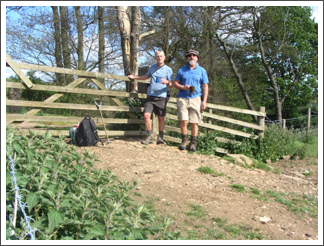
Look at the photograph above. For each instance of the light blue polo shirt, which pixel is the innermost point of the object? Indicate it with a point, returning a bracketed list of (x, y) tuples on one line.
[(157, 89), (193, 77)]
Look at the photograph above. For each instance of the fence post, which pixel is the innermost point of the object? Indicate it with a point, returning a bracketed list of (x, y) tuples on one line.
[(284, 123), (261, 122), (155, 125), (308, 121), (209, 121)]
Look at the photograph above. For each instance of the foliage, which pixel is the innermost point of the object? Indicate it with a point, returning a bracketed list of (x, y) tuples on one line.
[(276, 143), (207, 143), (68, 199)]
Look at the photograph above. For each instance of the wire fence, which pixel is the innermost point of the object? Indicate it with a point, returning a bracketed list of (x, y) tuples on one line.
[(302, 127), (22, 205), (295, 123)]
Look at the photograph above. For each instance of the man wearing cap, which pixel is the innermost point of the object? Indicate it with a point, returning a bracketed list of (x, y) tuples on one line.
[(192, 83), (161, 77)]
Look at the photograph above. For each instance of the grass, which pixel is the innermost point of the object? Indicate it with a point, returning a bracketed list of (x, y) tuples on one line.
[(299, 204), (238, 187), (206, 170), (193, 229), (308, 173), (234, 231), (209, 170), (311, 148), (197, 211), (255, 191), (220, 221)]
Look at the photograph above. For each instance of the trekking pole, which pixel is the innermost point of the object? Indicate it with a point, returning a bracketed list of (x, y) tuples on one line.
[(98, 107)]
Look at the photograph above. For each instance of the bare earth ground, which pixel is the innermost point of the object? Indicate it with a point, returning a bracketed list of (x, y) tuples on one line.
[(170, 180)]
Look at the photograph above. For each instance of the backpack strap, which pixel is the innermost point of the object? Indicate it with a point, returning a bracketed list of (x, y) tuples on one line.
[(94, 129)]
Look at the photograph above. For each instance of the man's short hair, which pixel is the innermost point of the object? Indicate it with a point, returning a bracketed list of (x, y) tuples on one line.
[(159, 51)]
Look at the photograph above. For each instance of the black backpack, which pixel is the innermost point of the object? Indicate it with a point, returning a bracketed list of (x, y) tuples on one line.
[(87, 134)]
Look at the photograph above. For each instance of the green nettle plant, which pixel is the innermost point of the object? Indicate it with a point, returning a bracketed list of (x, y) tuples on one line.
[(67, 199), (276, 143), (207, 143)]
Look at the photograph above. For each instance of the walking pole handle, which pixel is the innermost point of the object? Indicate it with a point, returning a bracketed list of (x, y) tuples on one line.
[(98, 106)]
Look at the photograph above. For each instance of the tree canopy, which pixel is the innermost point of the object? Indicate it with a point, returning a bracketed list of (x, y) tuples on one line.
[(254, 56)]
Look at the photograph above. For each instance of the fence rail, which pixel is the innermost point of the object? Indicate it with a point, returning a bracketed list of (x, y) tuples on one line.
[(16, 119)]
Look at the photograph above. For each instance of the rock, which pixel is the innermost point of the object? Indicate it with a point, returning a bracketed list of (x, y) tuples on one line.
[(136, 172), (286, 157), (268, 161), (147, 172), (265, 219), (241, 159)]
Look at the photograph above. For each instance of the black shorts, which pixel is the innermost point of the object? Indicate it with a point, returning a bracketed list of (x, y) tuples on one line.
[(156, 104)]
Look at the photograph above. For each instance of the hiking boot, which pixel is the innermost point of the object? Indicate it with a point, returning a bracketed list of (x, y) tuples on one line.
[(184, 143), (160, 140), (193, 145), (149, 139)]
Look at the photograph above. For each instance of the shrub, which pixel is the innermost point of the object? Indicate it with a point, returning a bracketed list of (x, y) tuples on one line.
[(67, 199), (276, 143), (207, 143)]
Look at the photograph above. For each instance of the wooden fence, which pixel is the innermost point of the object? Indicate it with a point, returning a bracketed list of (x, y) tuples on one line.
[(81, 76)]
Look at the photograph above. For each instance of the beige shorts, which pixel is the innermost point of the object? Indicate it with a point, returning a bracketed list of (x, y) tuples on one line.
[(190, 110)]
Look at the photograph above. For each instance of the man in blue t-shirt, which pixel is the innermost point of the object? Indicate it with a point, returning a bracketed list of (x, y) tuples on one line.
[(192, 83), (161, 77)]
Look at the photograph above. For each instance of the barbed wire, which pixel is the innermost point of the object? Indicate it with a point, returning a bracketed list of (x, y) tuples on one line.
[(22, 205)]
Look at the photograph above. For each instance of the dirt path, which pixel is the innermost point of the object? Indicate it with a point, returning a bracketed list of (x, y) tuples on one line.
[(169, 179)]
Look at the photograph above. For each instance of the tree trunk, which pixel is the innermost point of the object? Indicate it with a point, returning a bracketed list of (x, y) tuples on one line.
[(80, 38), (65, 44), (129, 26), (134, 38), (57, 38), (267, 66), (124, 28), (101, 51), (238, 77)]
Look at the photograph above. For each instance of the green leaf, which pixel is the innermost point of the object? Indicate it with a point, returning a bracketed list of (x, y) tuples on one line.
[(96, 231), (32, 133), (47, 135), (67, 238), (17, 148), (8, 178), (30, 154), (32, 200), (64, 204), (55, 218)]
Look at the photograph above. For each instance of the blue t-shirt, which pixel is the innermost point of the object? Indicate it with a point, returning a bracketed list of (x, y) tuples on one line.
[(193, 77), (157, 89)]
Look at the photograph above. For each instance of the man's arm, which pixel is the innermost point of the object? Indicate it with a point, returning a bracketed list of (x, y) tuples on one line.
[(181, 87), (205, 95), (142, 77)]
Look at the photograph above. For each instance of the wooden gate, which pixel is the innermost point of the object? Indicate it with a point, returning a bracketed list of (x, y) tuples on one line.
[(80, 76)]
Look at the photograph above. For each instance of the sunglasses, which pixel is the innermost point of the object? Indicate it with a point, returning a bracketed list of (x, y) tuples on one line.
[(192, 55)]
